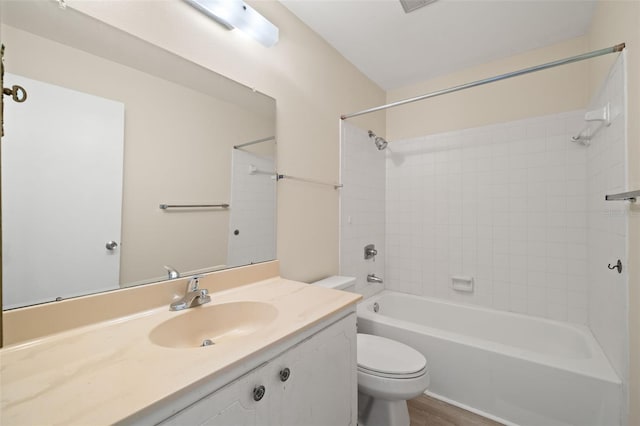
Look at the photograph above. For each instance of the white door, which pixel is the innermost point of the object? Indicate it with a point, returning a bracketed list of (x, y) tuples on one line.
[(61, 193), (253, 209)]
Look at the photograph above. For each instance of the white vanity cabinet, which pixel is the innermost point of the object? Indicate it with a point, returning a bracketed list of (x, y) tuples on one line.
[(311, 383)]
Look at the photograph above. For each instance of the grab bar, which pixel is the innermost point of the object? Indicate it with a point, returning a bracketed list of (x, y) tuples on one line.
[(190, 206)]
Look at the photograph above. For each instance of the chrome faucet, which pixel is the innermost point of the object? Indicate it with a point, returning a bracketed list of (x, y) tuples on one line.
[(172, 272), (194, 296), (371, 278)]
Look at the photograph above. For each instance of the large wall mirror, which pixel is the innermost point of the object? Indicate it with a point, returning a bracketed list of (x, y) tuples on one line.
[(126, 164)]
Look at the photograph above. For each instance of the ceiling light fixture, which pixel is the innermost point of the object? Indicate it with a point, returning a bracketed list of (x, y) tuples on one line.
[(237, 14)]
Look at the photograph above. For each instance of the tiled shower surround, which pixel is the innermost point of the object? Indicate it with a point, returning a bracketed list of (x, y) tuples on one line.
[(517, 206), (362, 207), (504, 204), (607, 232)]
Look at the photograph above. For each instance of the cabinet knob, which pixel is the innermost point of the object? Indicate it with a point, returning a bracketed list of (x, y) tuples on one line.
[(284, 374), (258, 393)]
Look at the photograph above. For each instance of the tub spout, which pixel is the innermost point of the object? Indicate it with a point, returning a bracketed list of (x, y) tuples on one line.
[(371, 278)]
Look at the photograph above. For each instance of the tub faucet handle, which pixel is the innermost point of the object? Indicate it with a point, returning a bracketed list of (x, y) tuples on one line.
[(370, 252)]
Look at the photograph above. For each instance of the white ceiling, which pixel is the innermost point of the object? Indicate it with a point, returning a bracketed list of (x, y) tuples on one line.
[(395, 49)]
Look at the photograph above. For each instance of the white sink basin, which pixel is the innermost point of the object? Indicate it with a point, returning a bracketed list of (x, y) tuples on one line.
[(210, 325)]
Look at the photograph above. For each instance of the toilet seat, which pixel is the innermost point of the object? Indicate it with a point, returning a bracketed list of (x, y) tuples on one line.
[(392, 375), (384, 357)]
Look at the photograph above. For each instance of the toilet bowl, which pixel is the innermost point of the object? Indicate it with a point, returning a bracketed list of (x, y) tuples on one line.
[(389, 373)]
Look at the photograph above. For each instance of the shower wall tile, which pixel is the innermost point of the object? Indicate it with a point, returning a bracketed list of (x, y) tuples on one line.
[(362, 208), (607, 220), (505, 204)]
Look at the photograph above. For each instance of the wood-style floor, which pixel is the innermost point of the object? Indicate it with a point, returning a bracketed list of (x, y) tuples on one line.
[(427, 411)]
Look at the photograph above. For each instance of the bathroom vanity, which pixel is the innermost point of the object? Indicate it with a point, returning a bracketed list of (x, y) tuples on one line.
[(310, 383), (281, 352)]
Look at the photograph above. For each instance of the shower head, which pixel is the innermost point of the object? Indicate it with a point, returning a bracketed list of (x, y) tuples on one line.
[(380, 142)]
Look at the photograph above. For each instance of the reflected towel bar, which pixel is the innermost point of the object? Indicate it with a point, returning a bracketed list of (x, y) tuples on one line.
[(192, 206), (624, 196), (335, 185), (242, 145)]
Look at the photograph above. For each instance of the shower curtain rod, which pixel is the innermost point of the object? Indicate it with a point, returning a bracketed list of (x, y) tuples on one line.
[(595, 53)]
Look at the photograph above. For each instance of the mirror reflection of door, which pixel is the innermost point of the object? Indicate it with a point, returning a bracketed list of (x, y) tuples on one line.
[(252, 230), (58, 211)]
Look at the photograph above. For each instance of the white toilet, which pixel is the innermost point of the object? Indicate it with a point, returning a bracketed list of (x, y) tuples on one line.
[(389, 373)]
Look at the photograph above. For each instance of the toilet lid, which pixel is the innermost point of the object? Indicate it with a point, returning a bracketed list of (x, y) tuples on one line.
[(381, 355)]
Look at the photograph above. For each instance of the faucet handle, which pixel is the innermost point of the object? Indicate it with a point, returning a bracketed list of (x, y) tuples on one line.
[(172, 272), (204, 296), (370, 252), (193, 283)]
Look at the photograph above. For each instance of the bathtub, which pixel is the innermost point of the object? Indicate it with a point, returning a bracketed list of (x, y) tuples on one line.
[(516, 369)]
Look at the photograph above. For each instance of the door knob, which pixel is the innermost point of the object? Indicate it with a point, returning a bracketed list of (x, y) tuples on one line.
[(111, 245)]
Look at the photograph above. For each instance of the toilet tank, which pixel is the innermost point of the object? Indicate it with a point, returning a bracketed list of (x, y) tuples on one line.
[(338, 282)]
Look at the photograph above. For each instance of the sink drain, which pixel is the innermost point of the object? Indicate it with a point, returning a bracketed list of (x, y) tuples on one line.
[(207, 342)]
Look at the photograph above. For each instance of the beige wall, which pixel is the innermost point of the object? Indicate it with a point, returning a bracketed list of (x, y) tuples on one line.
[(546, 92), (615, 22), (312, 85), (185, 162)]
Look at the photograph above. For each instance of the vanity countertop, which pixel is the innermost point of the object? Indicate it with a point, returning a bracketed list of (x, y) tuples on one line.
[(105, 373)]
